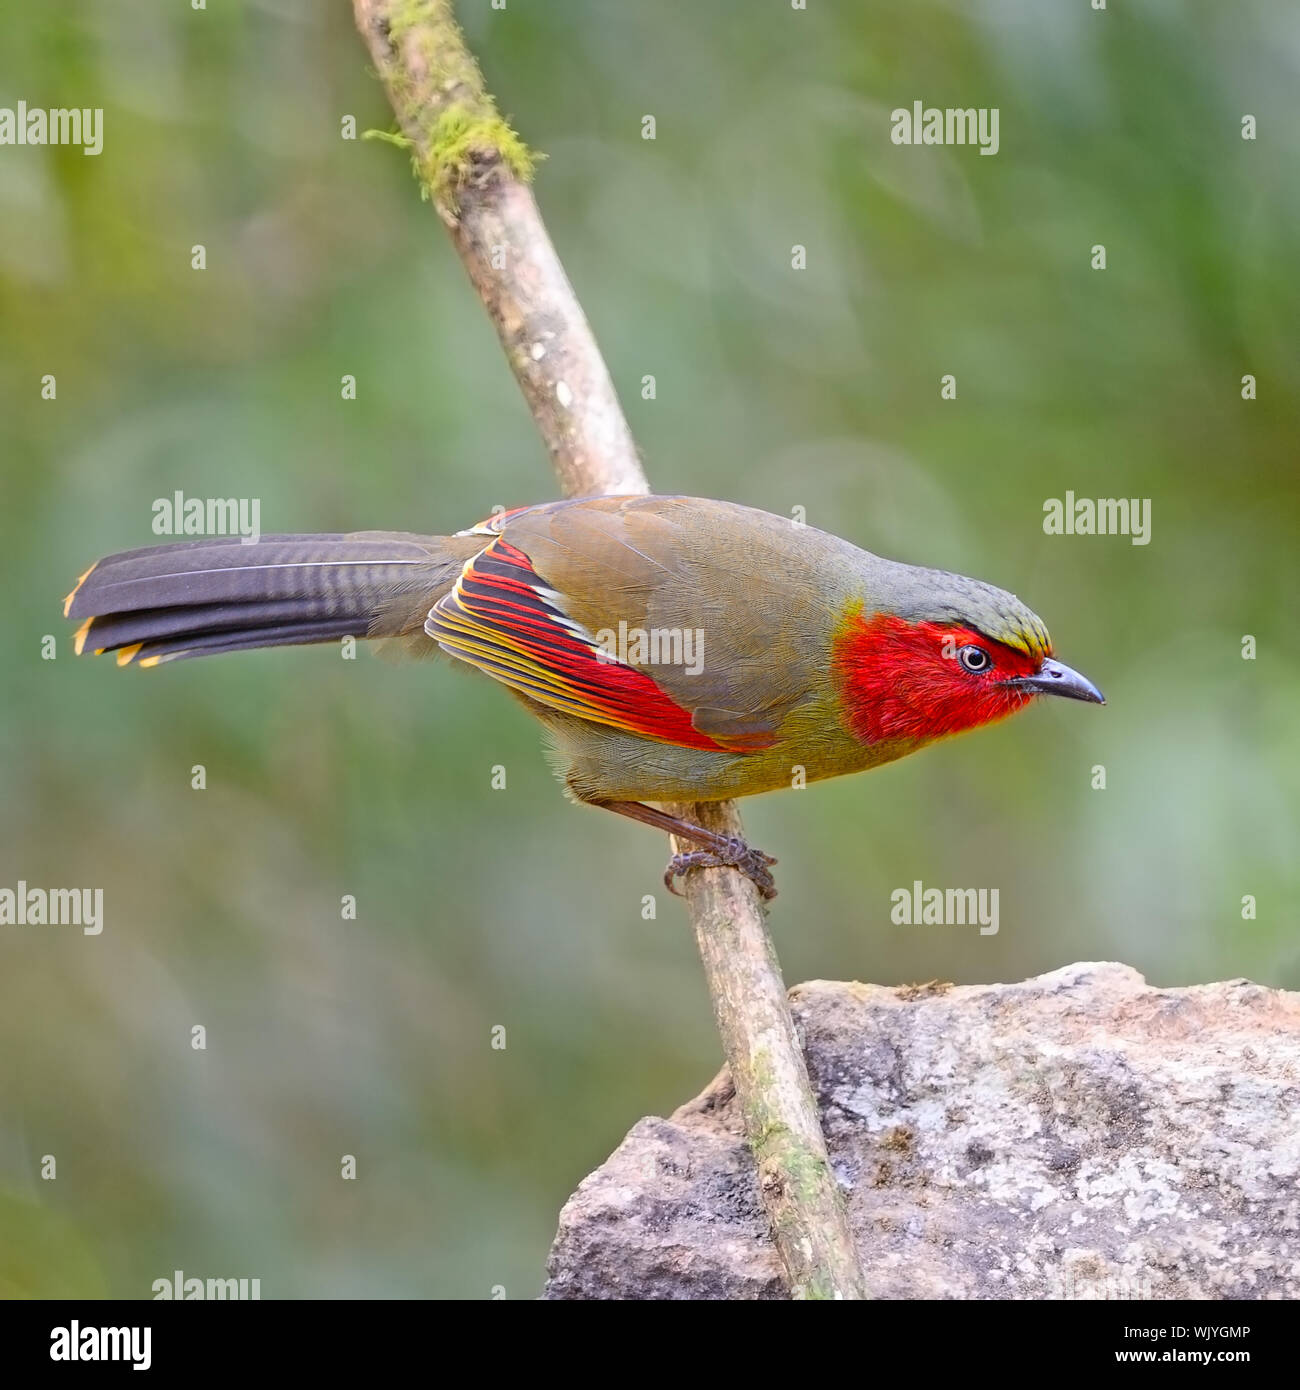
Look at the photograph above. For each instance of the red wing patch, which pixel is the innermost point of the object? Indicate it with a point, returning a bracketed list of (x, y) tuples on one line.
[(503, 618)]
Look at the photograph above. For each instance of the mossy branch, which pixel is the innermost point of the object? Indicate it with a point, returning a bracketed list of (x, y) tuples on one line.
[(454, 129), (476, 170)]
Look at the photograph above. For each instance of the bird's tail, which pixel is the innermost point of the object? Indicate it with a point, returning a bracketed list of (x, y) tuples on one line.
[(196, 598)]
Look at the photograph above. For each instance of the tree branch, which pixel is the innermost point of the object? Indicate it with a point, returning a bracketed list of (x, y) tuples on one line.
[(804, 1208), (473, 167), (475, 170)]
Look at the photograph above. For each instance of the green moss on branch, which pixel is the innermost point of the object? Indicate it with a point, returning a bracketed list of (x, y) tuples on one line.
[(441, 101)]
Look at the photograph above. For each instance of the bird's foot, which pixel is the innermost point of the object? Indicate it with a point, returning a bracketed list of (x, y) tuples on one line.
[(731, 853)]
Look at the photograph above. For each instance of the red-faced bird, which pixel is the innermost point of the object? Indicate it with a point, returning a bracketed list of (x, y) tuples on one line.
[(676, 649)]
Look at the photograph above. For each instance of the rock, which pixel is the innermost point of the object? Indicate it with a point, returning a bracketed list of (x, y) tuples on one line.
[(1080, 1135)]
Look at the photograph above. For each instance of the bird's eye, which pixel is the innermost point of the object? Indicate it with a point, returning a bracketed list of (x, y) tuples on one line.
[(974, 658)]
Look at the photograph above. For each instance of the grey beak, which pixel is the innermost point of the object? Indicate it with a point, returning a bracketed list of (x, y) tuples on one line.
[(1055, 678)]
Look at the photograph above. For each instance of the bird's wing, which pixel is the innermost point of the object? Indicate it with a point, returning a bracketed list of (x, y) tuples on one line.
[(677, 619)]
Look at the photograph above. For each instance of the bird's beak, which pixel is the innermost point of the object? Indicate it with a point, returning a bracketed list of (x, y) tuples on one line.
[(1055, 678)]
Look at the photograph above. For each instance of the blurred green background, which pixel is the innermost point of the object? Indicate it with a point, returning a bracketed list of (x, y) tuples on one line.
[(778, 388)]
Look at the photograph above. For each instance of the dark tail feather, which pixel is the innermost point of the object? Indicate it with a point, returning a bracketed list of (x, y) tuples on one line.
[(197, 598)]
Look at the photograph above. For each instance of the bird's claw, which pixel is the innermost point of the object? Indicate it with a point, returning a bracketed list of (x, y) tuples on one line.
[(733, 853)]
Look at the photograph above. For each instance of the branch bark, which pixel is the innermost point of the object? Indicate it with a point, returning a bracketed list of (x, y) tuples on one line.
[(475, 170), (765, 1058)]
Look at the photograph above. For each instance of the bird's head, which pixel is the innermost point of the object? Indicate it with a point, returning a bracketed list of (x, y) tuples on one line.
[(947, 654)]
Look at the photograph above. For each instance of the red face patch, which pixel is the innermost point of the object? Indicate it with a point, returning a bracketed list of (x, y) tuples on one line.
[(924, 680)]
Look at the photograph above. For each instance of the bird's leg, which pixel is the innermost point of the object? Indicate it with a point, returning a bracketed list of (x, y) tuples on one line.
[(719, 851)]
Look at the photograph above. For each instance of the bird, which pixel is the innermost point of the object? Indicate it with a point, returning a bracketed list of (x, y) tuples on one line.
[(675, 649)]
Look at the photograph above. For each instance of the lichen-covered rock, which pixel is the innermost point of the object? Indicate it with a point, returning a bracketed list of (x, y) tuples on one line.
[(1080, 1135)]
